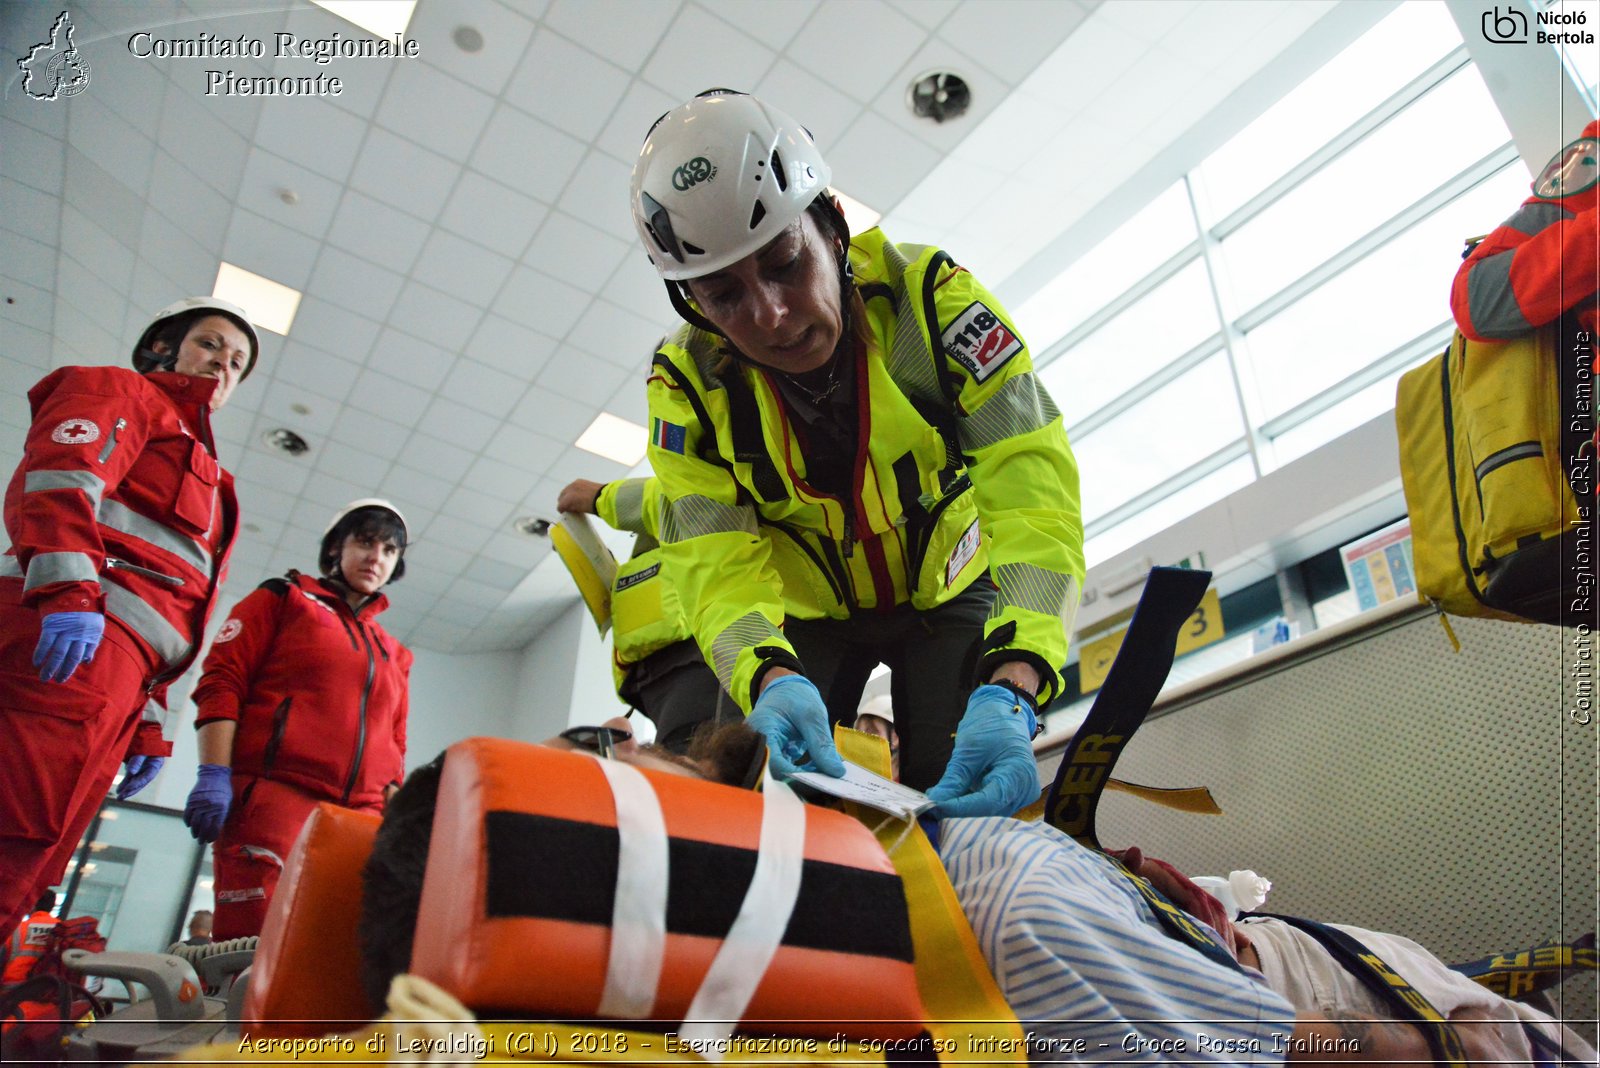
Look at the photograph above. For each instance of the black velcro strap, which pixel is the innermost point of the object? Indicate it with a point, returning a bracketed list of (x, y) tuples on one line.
[(557, 869), (1387, 984), (1178, 924), (1135, 680)]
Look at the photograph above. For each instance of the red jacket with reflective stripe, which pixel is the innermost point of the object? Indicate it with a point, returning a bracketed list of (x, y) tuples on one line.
[(1540, 262), (320, 692), (119, 505), (26, 946)]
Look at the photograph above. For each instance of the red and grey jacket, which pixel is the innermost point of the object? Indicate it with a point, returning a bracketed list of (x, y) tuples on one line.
[(26, 946), (320, 692), (119, 506), (1542, 261)]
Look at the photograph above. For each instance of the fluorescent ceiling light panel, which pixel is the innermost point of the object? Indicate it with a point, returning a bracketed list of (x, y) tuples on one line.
[(615, 439), (860, 217), (270, 305), (382, 18)]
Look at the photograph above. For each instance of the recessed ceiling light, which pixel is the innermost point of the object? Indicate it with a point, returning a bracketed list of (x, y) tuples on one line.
[(860, 217), (531, 526), (939, 95), (615, 439), (285, 440), (382, 18), (270, 305)]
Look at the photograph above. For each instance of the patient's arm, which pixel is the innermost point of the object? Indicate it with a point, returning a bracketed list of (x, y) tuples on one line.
[(1356, 1036)]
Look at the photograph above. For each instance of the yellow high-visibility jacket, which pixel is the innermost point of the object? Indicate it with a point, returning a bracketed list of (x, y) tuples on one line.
[(645, 614), (955, 430)]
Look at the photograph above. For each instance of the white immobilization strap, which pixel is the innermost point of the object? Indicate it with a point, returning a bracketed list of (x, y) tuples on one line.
[(639, 914)]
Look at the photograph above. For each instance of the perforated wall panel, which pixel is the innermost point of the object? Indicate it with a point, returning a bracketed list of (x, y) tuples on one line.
[(1396, 785)]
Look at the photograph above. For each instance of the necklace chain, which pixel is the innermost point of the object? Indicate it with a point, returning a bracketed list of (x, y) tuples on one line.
[(817, 396)]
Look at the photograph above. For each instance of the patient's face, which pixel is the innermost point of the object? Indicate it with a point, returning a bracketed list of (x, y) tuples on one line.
[(647, 757)]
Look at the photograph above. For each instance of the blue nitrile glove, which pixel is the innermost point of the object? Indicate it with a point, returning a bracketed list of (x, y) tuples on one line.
[(66, 639), (992, 771), (791, 714), (137, 773), (207, 807)]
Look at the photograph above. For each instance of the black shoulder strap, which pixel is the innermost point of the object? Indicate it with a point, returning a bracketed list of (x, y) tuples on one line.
[(749, 443)]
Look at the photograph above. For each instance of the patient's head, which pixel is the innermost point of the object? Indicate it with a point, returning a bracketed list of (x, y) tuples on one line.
[(727, 752)]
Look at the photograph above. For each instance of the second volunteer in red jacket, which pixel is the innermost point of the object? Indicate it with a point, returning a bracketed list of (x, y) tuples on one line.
[(303, 700), (120, 521)]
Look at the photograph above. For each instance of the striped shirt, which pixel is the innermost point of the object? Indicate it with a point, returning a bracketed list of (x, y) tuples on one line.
[(1086, 966)]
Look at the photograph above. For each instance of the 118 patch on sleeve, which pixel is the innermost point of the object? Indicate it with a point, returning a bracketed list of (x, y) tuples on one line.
[(980, 340)]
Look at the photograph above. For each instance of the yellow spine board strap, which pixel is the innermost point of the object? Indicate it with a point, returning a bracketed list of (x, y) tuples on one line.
[(1143, 662), (1540, 967), (1388, 985), (966, 1010)]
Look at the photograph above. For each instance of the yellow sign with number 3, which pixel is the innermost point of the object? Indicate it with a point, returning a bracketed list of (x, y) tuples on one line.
[(1200, 629)]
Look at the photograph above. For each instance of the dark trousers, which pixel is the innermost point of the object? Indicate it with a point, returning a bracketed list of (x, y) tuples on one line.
[(930, 656), (675, 688)]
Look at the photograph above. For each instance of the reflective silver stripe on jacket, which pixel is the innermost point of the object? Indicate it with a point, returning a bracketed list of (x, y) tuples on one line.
[(45, 568), (628, 503), (10, 567), (93, 486), (1018, 407), (1031, 588), (746, 632), (146, 622), (125, 520), (154, 713), (694, 515)]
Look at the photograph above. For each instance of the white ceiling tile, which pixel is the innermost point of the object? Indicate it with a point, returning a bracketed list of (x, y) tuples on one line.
[(450, 622), (879, 163), (209, 147), (369, 432), (326, 378), (268, 249), (955, 181), (344, 333), (497, 575), (505, 35), (544, 81), (511, 348), (278, 403), (435, 456), (577, 463), (499, 481), (269, 177), (517, 550), (355, 465), (1010, 133), (402, 173), (929, 13), (434, 110), (582, 377), (625, 340), (109, 140), (987, 34), (32, 158), (274, 472), (26, 345), (192, 265), (698, 44), (527, 154), (414, 491), (32, 213), (331, 494), (409, 359), (630, 403), (470, 591), (551, 415), (354, 282), (492, 215), (811, 100), (383, 395), (577, 252), (624, 31), (259, 499), (524, 450), (318, 136), (457, 424), (1093, 56), (203, 212), (377, 232), (305, 515), (772, 22), (1145, 20), (88, 243), (856, 44), (447, 529), (363, 79), (482, 508), (484, 389), (461, 268), (636, 286), (598, 195), (435, 557), (535, 299), (642, 105), (435, 316)]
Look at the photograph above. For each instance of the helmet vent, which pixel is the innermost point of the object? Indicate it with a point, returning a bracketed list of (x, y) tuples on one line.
[(777, 172), (757, 213), (693, 250)]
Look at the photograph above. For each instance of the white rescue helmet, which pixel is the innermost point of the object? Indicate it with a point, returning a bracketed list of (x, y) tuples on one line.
[(880, 706), (718, 178), (333, 537), (145, 359)]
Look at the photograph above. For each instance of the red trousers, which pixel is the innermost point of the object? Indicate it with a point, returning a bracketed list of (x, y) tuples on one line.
[(249, 854), (60, 747)]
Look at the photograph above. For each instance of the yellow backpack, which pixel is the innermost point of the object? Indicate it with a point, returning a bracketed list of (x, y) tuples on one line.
[(1498, 471)]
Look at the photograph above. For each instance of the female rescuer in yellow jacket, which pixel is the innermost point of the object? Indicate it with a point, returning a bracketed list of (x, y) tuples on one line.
[(858, 462)]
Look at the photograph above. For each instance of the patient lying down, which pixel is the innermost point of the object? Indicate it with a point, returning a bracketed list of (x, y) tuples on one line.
[(1077, 951)]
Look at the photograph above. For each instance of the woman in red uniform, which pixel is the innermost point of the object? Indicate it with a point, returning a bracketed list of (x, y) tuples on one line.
[(303, 700), (120, 521)]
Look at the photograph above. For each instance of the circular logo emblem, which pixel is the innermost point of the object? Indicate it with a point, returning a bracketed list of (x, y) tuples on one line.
[(68, 73), (228, 631), (692, 174), (1573, 170), (75, 432)]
